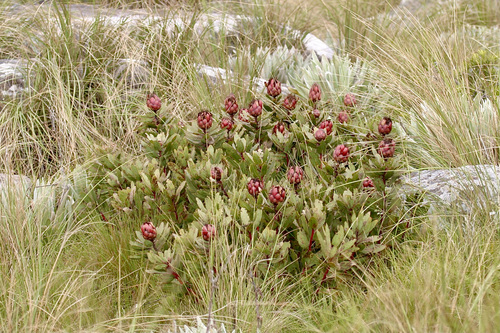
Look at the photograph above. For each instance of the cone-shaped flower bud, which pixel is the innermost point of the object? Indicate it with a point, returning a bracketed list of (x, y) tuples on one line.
[(320, 134), (204, 120), (341, 154), (243, 116), (226, 123), (385, 126), (216, 173), (148, 231), (273, 87), (279, 127), (230, 105), (326, 125), (290, 102), (368, 183), (386, 148), (315, 93), (255, 108), (153, 102), (343, 117), (208, 232), (295, 175), (277, 194), (255, 186), (350, 99)]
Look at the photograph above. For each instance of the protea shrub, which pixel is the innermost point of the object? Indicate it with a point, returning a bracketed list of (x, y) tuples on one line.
[(336, 219)]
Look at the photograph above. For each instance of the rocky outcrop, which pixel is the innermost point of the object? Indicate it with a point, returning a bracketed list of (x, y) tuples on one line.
[(463, 188), (14, 182), (134, 73), (12, 77), (215, 74)]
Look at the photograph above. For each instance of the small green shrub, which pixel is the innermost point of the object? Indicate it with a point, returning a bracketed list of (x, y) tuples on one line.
[(483, 70), (307, 183)]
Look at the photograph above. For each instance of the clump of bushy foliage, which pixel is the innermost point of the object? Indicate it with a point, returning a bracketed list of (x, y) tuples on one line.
[(483, 73), (307, 183)]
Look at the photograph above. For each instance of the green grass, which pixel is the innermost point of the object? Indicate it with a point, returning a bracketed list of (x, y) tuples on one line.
[(64, 270)]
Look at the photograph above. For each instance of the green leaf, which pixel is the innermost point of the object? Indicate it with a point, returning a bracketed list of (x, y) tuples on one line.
[(240, 145), (371, 239), (180, 187), (245, 218), (146, 181), (375, 248), (257, 217), (200, 204), (302, 239), (257, 159), (348, 245), (339, 236)]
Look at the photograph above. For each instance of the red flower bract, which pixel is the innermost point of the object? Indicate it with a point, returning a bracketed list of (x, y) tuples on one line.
[(216, 173), (386, 148), (243, 116), (326, 125), (290, 102), (273, 87), (279, 127), (277, 194), (315, 93), (341, 154), (368, 183), (295, 175), (350, 99), (255, 187), (204, 120), (148, 231), (226, 123), (320, 134), (255, 108), (208, 232), (230, 104), (343, 117), (153, 102), (385, 126)]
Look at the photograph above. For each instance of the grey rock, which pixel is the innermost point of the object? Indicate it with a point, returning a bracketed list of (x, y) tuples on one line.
[(413, 7), (215, 23), (216, 75), (133, 73), (14, 182), (316, 45), (464, 188), (12, 77)]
